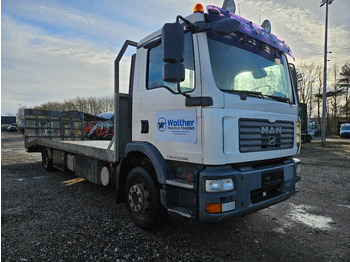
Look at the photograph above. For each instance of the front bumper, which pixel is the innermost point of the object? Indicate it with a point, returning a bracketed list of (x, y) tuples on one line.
[(252, 189), (344, 135)]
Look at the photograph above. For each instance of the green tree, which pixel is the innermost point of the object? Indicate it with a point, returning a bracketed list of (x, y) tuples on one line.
[(344, 83), (20, 114)]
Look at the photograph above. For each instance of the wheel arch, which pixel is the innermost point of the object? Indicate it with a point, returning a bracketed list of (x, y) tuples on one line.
[(144, 155)]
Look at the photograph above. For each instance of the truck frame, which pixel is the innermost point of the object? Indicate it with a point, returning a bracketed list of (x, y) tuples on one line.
[(182, 143)]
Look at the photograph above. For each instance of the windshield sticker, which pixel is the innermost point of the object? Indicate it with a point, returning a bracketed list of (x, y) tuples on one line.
[(177, 126)]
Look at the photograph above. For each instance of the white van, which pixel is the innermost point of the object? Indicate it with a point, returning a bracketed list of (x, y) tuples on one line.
[(345, 130)]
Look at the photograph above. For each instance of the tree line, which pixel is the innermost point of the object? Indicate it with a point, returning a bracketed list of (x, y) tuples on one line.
[(310, 90), (89, 105)]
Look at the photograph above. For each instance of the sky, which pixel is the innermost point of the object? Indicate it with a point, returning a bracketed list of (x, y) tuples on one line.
[(54, 50)]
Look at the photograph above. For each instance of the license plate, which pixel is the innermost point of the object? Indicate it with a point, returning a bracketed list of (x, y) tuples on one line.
[(272, 178)]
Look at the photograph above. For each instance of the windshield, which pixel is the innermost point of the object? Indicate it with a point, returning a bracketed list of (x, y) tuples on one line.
[(347, 127), (243, 64)]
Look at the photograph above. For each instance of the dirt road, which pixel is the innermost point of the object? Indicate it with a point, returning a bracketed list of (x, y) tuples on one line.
[(57, 216)]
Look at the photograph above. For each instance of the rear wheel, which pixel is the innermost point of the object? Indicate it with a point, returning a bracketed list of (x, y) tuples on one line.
[(47, 162), (142, 198)]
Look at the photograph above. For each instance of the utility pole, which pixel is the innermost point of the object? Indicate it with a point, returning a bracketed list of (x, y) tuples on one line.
[(324, 95), (310, 107)]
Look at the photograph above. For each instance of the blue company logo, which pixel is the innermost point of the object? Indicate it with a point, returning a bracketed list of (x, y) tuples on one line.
[(161, 124), (175, 124)]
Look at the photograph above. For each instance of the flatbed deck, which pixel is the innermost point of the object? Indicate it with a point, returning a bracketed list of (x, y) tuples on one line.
[(90, 148)]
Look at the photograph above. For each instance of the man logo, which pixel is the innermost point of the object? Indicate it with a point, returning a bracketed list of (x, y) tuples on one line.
[(272, 140), (161, 124), (265, 130)]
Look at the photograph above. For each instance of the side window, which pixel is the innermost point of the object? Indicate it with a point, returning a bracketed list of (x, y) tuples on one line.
[(155, 67)]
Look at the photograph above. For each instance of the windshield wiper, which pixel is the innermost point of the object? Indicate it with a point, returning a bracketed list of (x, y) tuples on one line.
[(279, 98), (244, 93)]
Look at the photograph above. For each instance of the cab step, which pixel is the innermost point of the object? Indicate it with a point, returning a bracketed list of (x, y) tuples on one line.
[(182, 211), (179, 183)]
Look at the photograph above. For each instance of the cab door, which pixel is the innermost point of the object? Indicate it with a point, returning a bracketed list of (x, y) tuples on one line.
[(162, 117)]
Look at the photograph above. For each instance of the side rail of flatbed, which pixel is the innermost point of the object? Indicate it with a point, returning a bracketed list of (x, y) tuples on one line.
[(52, 125)]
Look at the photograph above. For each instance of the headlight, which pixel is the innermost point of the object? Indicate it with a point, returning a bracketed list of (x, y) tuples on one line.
[(298, 135), (298, 132), (219, 185)]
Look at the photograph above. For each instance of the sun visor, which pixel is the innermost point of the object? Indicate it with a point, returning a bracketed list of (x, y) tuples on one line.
[(250, 29)]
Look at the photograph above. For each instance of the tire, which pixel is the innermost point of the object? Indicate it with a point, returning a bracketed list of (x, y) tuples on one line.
[(47, 162), (142, 199)]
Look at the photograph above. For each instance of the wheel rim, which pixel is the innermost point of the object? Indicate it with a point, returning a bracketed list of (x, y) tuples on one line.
[(138, 198)]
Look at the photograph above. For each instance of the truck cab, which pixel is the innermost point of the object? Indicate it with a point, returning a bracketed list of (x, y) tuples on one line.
[(220, 138)]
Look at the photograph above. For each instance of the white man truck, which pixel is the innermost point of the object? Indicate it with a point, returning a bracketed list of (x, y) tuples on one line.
[(207, 131)]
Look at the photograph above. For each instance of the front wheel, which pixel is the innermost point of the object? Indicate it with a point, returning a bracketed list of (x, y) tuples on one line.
[(142, 198)]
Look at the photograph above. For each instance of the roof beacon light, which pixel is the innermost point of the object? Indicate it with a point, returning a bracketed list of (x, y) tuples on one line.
[(198, 8)]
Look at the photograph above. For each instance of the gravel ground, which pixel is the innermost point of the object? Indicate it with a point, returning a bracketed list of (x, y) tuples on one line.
[(58, 217)]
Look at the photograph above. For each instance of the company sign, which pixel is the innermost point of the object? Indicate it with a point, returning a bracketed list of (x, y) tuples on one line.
[(265, 130), (177, 126)]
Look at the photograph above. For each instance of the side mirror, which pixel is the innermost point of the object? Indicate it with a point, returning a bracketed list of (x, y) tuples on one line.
[(293, 72), (226, 26), (173, 43), (173, 52), (174, 73)]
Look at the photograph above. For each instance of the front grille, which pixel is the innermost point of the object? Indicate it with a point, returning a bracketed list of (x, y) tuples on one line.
[(260, 135)]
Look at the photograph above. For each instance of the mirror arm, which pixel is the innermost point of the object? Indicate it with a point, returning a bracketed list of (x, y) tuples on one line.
[(203, 26), (196, 27), (180, 92), (192, 28), (188, 24)]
